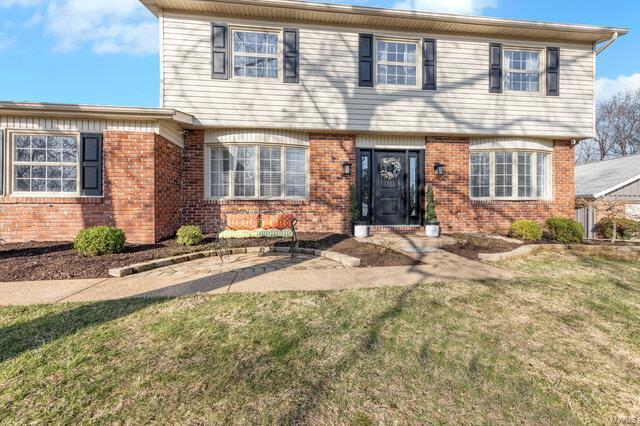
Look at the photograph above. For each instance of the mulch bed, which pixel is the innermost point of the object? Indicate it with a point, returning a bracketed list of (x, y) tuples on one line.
[(469, 246), (56, 261)]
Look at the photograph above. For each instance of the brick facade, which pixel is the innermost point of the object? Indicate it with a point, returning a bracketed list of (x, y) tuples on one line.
[(140, 195), (327, 209), (152, 186), (458, 213)]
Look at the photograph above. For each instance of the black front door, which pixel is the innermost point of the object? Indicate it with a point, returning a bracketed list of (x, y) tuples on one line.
[(389, 187)]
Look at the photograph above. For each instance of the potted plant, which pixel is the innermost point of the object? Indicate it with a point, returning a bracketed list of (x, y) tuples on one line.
[(360, 228), (432, 226)]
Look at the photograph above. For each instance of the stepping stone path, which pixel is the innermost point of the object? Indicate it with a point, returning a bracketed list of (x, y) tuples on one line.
[(246, 263)]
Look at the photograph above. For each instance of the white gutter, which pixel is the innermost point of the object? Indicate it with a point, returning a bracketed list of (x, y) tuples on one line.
[(613, 38)]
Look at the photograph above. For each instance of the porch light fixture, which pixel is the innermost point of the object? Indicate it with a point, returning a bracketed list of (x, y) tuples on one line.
[(346, 168), (439, 169)]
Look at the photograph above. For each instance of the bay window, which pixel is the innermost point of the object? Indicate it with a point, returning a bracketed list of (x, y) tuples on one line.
[(257, 172), (510, 174), (45, 164)]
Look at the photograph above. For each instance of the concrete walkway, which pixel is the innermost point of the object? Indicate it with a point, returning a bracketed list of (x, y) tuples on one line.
[(438, 266)]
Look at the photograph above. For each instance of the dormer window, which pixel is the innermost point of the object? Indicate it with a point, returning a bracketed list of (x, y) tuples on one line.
[(255, 54)]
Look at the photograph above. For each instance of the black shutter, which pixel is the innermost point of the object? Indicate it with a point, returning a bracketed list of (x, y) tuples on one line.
[(1, 162), (429, 64), (91, 164), (291, 56), (219, 51), (365, 60), (553, 71), (495, 68)]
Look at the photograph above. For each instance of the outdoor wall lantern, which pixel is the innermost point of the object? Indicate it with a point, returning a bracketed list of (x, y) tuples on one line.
[(439, 168), (346, 168)]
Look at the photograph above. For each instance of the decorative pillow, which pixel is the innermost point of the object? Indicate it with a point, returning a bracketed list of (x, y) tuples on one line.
[(277, 221), (242, 222)]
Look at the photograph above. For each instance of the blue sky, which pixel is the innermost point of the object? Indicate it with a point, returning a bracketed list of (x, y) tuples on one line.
[(105, 51)]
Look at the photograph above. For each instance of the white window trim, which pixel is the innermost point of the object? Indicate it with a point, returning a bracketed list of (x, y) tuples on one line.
[(10, 162), (418, 44), (542, 64), (514, 175), (257, 197), (278, 31)]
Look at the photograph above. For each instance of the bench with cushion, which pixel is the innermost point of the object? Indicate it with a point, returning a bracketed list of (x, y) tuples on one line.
[(260, 224)]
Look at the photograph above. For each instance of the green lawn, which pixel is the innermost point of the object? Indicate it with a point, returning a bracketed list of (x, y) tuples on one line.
[(559, 344)]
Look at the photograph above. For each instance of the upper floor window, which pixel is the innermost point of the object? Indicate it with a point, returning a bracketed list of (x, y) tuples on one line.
[(396, 63), (45, 164), (255, 54), (522, 70)]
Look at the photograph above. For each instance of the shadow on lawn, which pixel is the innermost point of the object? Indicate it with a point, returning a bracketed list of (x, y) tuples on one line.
[(19, 338)]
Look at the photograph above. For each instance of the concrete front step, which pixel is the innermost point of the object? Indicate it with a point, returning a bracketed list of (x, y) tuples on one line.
[(396, 229)]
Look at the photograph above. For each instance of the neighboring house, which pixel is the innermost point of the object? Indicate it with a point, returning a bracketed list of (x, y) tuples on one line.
[(608, 184), (282, 104)]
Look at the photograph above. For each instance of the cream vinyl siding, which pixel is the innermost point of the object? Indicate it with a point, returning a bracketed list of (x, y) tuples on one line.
[(328, 96), (165, 128), (75, 125)]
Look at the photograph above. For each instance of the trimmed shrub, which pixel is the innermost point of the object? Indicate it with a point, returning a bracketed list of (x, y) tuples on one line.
[(527, 230), (99, 240), (565, 230), (189, 235), (625, 228)]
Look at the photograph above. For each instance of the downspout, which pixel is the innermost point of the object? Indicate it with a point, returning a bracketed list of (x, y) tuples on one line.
[(608, 43)]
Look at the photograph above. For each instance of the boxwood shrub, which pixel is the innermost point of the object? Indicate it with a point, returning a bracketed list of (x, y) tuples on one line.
[(625, 228), (565, 230), (99, 240), (189, 235), (527, 230)]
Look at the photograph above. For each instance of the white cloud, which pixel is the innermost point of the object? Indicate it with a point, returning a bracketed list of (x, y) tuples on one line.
[(470, 7), (35, 20), (606, 87), (108, 26)]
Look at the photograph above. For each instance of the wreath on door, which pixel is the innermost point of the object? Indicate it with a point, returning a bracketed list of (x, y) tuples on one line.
[(389, 168)]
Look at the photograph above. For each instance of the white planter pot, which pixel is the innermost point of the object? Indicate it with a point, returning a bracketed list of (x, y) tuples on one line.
[(361, 231), (432, 231)]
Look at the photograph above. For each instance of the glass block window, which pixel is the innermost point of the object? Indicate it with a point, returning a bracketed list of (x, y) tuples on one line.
[(525, 188), (255, 54), (396, 63), (257, 171), (480, 175), (542, 175), (270, 172), (504, 174), (244, 183), (522, 70), (296, 172), (219, 167), (45, 163)]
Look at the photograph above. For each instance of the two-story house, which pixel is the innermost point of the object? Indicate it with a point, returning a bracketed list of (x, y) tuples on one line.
[(285, 104)]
